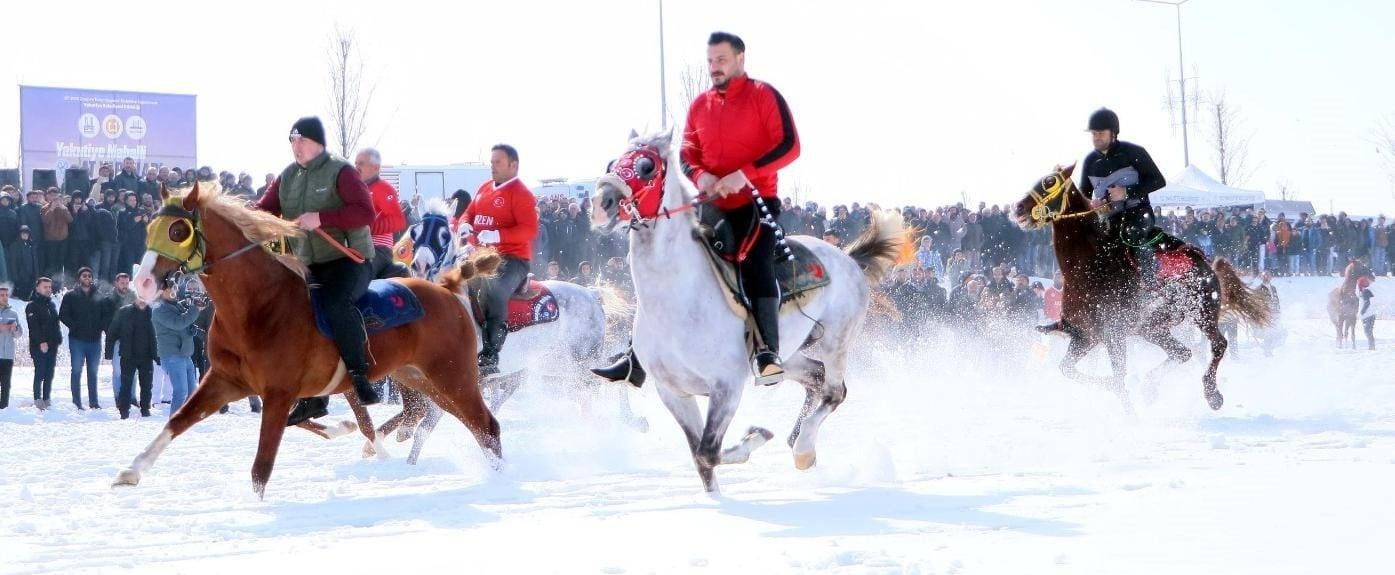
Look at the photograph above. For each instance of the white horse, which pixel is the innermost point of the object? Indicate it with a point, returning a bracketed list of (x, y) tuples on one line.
[(556, 350), (692, 343)]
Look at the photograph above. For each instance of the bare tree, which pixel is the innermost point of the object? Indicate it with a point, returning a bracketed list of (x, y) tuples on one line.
[(349, 97), (1285, 189), (1230, 147), (1385, 144), (693, 79)]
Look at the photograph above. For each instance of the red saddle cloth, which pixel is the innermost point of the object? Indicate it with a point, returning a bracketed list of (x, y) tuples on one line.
[(534, 305), (1173, 263)]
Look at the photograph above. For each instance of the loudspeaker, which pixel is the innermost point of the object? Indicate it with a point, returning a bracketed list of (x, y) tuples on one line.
[(76, 180), (42, 180), (9, 177)]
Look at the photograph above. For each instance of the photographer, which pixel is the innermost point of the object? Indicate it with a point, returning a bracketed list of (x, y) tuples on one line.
[(174, 341)]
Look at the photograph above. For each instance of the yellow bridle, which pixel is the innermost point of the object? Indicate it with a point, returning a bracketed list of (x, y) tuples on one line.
[(1054, 186)]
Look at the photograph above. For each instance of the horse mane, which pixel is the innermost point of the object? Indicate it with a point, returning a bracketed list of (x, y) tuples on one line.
[(483, 262), (437, 207), (256, 226)]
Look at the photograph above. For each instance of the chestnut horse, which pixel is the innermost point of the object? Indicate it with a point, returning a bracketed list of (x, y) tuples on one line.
[(264, 341), (1103, 300), (1342, 305)]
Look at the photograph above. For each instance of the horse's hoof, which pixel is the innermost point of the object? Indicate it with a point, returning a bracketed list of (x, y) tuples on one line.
[(1215, 400), (260, 489), (804, 461), (765, 434), (127, 478), (403, 434)]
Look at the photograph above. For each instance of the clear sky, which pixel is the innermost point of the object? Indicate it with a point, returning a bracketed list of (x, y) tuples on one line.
[(896, 102)]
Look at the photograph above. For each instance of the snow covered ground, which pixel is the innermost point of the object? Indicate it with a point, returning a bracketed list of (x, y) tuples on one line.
[(941, 461)]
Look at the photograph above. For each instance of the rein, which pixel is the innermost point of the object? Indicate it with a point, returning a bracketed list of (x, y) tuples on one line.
[(1043, 213)]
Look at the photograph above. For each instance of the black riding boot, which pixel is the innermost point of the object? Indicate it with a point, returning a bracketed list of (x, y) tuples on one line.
[(364, 389), (767, 315), (1147, 259), (489, 362), (626, 368), (307, 409)]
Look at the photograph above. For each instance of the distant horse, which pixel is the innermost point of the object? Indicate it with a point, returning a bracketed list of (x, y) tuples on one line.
[(264, 340), (693, 341), (1342, 304), (1103, 298)]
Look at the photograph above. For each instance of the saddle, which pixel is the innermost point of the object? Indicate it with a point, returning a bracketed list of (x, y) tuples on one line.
[(387, 304), (533, 304), (798, 278), (1175, 257)]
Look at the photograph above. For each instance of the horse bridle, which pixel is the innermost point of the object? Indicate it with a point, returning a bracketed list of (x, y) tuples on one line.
[(184, 241), (643, 170), (1060, 188)]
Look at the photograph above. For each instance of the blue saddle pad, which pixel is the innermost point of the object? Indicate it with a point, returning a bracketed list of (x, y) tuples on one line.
[(386, 304)]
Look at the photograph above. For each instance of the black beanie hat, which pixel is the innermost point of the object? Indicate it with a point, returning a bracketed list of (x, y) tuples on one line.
[(309, 127)]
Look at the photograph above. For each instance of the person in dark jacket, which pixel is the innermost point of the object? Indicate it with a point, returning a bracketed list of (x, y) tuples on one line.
[(44, 338), (82, 313), (1130, 213), (31, 216), (22, 257), (130, 232), (104, 242), (81, 239), (127, 179), (133, 329), (9, 218)]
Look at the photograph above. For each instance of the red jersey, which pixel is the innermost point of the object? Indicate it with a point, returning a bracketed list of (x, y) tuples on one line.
[(1052, 308), (512, 210), (747, 127), (388, 219)]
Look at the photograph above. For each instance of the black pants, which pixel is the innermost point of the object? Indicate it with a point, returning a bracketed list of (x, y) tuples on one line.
[(6, 368), (383, 265), (338, 285), (758, 271), (54, 252), (43, 370), (145, 370), (493, 295)]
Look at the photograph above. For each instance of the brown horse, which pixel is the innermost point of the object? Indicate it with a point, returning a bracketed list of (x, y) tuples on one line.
[(1103, 300), (1342, 305), (263, 340)]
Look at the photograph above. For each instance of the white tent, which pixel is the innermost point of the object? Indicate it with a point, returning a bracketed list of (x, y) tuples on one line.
[(1193, 188)]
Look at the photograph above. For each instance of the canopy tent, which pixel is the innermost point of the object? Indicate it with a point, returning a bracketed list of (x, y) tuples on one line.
[(1193, 188)]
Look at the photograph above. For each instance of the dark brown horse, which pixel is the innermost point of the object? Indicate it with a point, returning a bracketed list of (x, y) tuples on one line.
[(263, 340), (1104, 302)]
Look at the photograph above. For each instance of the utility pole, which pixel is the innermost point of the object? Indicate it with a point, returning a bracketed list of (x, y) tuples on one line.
[(1181, 74), (663, 83)]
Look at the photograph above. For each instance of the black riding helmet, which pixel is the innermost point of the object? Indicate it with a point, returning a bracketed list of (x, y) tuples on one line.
[(1104, 119)]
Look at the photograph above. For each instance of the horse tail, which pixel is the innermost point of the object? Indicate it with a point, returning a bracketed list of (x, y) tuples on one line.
[(483, 262), (1248, 304), (877, 249), (613, 303)]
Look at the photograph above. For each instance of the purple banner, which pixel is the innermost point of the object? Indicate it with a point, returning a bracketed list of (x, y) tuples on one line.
[(63, 128)]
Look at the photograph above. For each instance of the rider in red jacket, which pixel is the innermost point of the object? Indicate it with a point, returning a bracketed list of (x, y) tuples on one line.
[(503, 214), (739, 134), (388, 218)]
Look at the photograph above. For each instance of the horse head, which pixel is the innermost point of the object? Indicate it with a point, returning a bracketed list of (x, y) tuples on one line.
[(433, 242), (1049, 198), (636, 185), (174, 243)]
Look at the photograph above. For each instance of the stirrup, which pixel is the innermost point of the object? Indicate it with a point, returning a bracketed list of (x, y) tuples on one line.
[(771, 372)]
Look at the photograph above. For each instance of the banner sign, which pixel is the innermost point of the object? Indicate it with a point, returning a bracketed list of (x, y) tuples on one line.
[(63, 128)]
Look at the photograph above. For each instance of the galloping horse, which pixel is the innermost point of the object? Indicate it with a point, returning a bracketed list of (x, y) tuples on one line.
[(1103, 300), (691, 339), (1342, 306), (264, 341)]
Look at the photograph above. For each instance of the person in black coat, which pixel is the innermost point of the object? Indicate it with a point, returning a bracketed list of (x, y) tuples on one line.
[(130, 233), (31, 215), (22, 257), (133, 329), (44, 338), (104, 243), (9, 220)]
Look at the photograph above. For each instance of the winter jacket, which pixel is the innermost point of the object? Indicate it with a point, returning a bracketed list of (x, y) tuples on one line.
[(82, 313), (9, 224), (1119, 156), (42, 319), (134, 329), (512, 210), (746, 127), (56, 219), (23, 261), (174, 334), (8, 316)]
